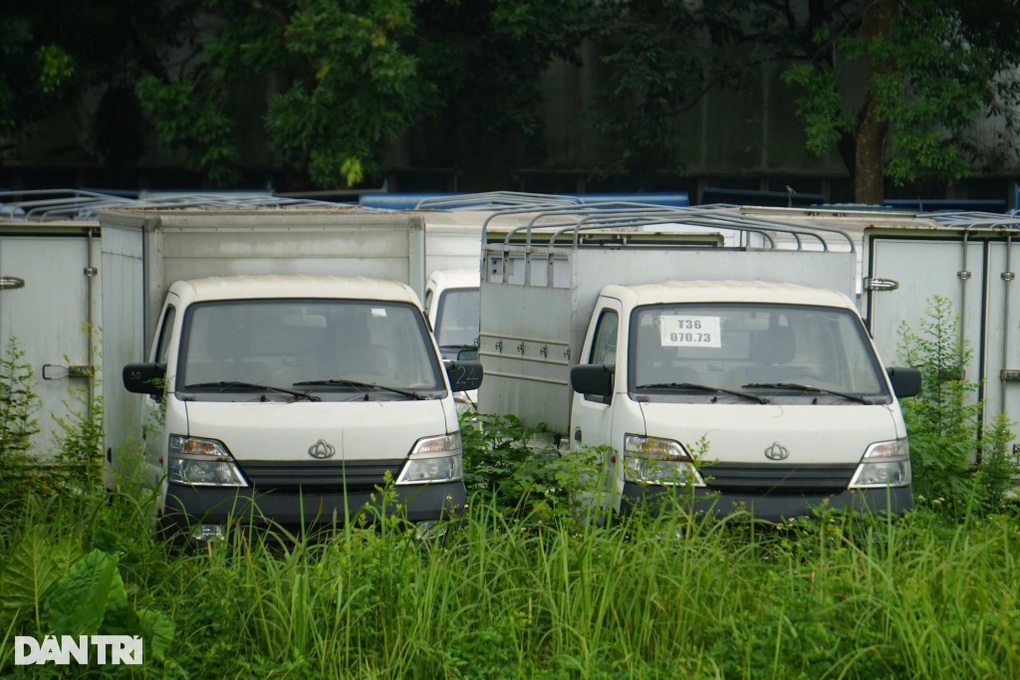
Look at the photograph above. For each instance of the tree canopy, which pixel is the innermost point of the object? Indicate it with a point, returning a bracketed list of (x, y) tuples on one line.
[(894, 86)]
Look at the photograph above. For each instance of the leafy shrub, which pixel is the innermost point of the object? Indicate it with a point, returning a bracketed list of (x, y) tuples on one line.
[(956, 466), (518, 470)]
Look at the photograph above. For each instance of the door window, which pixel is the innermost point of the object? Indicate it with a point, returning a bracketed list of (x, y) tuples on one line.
[(603, 346), (165, 330)]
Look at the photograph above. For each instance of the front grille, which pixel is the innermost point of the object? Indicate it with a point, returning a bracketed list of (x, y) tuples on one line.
[(777, 479), (320, 475)]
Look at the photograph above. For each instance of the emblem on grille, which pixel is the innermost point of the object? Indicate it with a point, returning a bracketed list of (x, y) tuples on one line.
[(776, 452), (321, 449)]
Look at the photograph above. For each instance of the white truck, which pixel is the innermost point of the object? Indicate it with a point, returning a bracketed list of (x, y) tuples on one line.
[(291, 366), (905, 259), (743, 374), (78, 297), (454, 226)]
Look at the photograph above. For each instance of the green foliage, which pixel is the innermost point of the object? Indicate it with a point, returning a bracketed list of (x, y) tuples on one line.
[(836, 595), (84, 57), (195, 123), (80, 437), (928, 73), (57, 67), (659, 64), (75, 593), (81, 564), (819, 106), (348, 78), (76, 466), (950, 471), (518, 470), (80, 441), (354, 84), (932, 71), (91, 599), (357, 85), (18, 403), (30, 573)]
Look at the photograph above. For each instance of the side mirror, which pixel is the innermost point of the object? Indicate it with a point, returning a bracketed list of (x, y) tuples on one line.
[(145, 378), (906, 382), (593, 379), (464, 375)]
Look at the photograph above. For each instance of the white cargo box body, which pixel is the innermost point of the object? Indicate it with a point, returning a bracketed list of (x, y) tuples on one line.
[(971, 261), (452, 238), (194, 243), (164, 245), (49, 294), (111, 272), (536, 304)]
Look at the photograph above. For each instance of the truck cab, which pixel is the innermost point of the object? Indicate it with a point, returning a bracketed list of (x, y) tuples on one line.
[(290, 400), (451, 304), (748, 395), (452, 307)]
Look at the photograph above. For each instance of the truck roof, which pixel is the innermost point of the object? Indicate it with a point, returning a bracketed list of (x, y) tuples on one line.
[(727, 291), (278, 286), (456, 278)]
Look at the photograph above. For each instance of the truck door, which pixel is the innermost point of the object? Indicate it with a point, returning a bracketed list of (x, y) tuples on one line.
[(47, 297), (591, 416), (974, 271)]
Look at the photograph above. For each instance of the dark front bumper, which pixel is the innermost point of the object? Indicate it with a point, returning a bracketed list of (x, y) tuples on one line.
[(300, 509), (768, 507)]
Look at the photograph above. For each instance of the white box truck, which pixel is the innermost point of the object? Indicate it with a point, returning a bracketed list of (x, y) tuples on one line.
[(746, 375), (969, 259), (51, 306), (454, 227), (289, 383), (905, 259)]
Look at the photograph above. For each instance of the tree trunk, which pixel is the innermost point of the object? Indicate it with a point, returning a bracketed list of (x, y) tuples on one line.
[(872, 130), (869, 173)]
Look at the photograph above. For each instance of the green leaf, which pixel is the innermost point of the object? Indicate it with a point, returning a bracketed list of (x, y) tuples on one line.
[(79, 600), (157, 630), (118, 617), (33, 569)]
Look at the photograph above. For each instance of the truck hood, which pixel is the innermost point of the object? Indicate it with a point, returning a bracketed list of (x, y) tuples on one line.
[(741, 433), (371, 430)]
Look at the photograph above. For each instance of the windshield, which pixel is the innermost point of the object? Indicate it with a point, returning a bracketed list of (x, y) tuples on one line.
[(777, 351), (457, 318), (328, 348)]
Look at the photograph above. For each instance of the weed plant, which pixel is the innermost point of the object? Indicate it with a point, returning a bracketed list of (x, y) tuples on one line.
[(960, 465), (18, 424)]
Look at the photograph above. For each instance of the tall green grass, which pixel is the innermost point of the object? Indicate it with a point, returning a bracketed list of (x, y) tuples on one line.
[(837, 597)]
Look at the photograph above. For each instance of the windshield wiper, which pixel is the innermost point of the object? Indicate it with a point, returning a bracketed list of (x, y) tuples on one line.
[(344, 382), (810, 388), (238, 384), (704, 388)]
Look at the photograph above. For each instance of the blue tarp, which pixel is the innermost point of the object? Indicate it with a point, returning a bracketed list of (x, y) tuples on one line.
[(411, 201)]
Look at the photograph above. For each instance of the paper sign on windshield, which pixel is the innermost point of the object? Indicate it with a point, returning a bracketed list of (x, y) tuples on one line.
[(690, 331)]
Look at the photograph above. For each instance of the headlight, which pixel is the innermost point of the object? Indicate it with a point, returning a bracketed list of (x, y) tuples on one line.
[(201, 462), (884, 464), (434, 459), (649, 460)]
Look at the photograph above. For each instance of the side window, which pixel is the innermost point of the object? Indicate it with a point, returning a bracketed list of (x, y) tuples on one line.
[(603, 346), (428, 301), (165, 329)]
